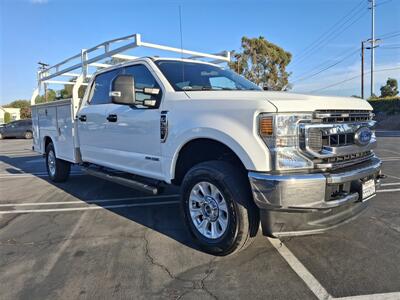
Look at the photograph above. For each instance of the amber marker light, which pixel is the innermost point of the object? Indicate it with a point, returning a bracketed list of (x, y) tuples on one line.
[(266, 128)]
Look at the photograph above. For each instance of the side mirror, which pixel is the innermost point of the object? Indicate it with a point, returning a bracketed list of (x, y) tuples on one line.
[(123, 90)]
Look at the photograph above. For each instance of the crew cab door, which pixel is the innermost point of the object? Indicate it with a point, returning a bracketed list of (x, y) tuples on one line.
[(133, 132), (92, 120)]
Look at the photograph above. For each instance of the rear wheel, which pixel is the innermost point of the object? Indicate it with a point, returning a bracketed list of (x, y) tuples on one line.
[(28, 135), (1, 136), (57, 169), (218, 208)]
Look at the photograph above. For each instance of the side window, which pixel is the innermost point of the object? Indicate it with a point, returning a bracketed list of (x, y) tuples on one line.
[(100, 93), (143, 79)]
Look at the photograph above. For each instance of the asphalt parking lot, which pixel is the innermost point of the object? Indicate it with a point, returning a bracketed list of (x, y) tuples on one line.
[(93, 239)]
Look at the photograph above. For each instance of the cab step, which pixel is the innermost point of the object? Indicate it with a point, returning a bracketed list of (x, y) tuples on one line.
[(135, 182)]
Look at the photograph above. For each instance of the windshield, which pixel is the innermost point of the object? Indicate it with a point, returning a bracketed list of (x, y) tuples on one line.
[(190, 76)]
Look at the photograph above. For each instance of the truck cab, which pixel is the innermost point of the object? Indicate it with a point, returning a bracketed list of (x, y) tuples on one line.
[(243, 158)]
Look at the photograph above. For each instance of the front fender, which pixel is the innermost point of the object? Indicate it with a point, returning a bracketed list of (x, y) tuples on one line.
[(253, 157)]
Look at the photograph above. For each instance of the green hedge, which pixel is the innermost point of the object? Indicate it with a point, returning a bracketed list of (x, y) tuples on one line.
[(389, 106)]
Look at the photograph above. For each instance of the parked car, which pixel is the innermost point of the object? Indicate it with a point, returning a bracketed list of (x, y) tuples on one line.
[(17, 129), (299, 164)]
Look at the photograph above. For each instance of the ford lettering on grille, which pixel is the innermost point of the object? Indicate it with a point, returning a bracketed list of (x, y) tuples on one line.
[(363, 136)]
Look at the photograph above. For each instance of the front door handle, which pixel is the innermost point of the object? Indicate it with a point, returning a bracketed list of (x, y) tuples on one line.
[(82, 118), (112, 118)]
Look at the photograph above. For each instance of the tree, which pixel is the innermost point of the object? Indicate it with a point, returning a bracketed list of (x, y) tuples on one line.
[(19, 104), (390, 89), (48, 97), (7, 117), (66, 92), (25, 113), (24, 106), (263, 63)]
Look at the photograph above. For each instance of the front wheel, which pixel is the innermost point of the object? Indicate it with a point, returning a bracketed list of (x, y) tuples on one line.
[(218, 208), (57, 169)]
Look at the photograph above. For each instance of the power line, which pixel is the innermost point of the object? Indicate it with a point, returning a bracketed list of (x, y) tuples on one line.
[(329, 38), (351, 78), (327, 68), (383, 3), (389, 34), (334, 31), (389, 47)]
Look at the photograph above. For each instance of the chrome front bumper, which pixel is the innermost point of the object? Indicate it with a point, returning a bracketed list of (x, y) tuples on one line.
[(298, 204)]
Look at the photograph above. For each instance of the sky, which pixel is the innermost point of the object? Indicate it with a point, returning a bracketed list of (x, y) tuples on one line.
[(320, 34)]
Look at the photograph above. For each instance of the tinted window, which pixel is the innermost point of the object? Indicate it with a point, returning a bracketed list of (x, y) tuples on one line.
[(143, 79), (100, 93), (191, 76)]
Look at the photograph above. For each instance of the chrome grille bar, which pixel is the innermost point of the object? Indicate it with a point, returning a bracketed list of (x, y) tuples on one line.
[(342, 116), (337, 139)]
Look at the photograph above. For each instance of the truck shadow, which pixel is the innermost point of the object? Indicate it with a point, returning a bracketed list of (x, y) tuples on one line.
[(160, 213)]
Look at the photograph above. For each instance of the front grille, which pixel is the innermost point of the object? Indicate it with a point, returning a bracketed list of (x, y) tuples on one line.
[(343, 116), (343, 160), (329, 139), (338, 140)]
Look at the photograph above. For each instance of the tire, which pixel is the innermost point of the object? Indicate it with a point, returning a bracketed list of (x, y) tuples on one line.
[(28, 135), (57, 169), (226, 222)]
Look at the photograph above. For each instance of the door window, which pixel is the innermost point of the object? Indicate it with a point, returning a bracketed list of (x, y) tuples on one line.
[(100, 93), (143, 79)]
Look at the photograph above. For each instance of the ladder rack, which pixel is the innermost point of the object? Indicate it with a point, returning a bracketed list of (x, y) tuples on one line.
[(82, 62)]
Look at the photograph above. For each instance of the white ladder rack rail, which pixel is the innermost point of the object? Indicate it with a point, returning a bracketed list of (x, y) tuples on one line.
[(46, 76)]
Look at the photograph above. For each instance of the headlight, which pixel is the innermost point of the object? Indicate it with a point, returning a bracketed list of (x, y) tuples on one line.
[(280, 134)]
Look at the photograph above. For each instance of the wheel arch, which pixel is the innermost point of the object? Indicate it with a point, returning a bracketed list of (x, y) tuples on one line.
[(200, 149), (47, 140)]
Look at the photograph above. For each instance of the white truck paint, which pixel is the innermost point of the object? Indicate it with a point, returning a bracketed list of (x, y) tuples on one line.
[(309, 174)]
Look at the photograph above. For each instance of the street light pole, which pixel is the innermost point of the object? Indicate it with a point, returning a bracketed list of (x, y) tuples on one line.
[(372, 45)]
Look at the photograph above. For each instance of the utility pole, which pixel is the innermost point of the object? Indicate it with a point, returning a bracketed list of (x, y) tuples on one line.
[(362, 69), (372, 44)]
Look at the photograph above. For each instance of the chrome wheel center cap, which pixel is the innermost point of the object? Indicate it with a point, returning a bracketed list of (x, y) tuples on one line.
[(210, 208)]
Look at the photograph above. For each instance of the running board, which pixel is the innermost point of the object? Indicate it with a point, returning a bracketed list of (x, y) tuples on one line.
[(137, 185)]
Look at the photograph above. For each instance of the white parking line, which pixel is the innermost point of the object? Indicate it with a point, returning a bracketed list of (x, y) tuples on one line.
[(88, 201), (383, 296), (390, 183), (23, 211), (313, 284), (390, 159), (390, 151), (309, 279), (31, 175), (391, 176), (388, 191)]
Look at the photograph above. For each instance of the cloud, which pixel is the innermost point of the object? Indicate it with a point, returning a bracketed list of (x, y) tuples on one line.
[(39, 1)]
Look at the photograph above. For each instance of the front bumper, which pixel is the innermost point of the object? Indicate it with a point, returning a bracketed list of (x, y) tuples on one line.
[(299, 204)]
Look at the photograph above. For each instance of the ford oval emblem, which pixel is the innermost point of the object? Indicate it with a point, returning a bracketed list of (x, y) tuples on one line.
[(363, 136)]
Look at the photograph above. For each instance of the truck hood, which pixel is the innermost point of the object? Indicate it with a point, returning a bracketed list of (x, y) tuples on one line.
[(286, 102)]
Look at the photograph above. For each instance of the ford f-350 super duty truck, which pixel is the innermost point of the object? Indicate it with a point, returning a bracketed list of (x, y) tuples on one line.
[(242, 157)]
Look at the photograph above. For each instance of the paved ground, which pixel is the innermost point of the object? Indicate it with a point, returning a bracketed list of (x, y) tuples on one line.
[(92, 239)]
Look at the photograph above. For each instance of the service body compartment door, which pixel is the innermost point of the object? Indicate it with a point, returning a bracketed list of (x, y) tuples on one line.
[(66, 148)]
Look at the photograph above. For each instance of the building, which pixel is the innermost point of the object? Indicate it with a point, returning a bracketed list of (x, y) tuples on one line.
[(14, 113)]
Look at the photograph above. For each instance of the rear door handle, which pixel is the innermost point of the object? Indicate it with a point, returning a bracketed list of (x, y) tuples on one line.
[(112, 118), (82, 118)]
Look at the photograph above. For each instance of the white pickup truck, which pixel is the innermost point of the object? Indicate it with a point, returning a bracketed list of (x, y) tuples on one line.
[(296, 164)]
